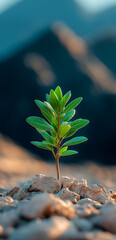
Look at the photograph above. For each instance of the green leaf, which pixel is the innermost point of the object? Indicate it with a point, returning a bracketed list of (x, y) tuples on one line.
[(70, 133), (48, 98), (63, 150), (68, 115), (65, 99), (79, 123), (61, 115), (53, 134), (45, 108), (75, 141), (54, 124), (75, 126), (47, 116), (48, 144), (63, 130), (50, 108), (73, 104), (54, 100), (69, 152), (40, 123), (41, 145), (49, 138), (58, 92)]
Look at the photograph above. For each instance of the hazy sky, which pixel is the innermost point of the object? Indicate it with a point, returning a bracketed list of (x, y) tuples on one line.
[(90, 5)]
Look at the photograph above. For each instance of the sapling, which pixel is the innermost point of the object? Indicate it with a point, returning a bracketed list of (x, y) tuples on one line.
[(59, 125)]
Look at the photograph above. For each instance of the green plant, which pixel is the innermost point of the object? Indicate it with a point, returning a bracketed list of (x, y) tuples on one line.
[(58, 114)]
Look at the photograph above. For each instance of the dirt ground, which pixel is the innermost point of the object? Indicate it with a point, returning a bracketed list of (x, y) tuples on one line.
[(17, 165)]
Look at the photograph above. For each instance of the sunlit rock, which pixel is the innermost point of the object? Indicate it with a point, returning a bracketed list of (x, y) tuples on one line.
[(12, 191), (77, 184), (9, 218), (95, 235), (66, 194), (94, 192), (20, 195), (106, 219), (53, 228), (85, 211), (88, 201), (45, 205), (82, 224), (43, 184), (7, 202), (66, 182)]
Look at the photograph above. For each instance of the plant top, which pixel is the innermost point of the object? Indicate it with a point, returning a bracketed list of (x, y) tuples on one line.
[(59, 125)]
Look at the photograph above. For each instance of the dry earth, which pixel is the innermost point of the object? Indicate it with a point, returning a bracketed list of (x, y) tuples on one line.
[(81, 206)]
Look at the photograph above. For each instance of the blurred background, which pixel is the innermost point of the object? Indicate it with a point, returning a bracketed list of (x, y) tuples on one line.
[(70, 43)]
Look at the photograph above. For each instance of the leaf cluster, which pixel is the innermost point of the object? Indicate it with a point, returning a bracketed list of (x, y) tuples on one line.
[(58, 125)]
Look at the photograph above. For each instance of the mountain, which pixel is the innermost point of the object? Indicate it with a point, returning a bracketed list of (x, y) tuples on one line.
[(62, 58), (17, 166), (27, 20)]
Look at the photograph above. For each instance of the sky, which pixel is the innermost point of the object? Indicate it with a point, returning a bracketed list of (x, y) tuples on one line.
[(89, 5)]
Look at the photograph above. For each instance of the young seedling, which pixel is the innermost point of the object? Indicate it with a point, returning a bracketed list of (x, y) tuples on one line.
[(59, 125)]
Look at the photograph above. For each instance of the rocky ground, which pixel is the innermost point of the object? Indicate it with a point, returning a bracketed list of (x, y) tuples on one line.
[(44, 208)]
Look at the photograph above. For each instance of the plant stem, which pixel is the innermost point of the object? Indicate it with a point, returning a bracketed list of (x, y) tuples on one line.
[(57, 154), (57, 168)]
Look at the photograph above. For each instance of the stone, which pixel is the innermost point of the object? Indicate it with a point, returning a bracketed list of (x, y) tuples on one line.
[(20, 195), (85, 211), (77, 183), (12, 191), (95, 192), (9, 218), (44, 209), (88, 201), (106, 219), (66, 194), (44, 205), (2, 233), (7, 202), (53, 228), (82, 224), (95, 235), (66, 182), (43, 184)]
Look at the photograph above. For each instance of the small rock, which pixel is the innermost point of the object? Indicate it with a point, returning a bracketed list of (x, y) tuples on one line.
[(9, 218), (82, 224), (12, 191), (43, 184), (106, 219), (66, 182), (86, 201), (2, 232), (85, 211), (53, 228), (76, 184), (45, 205), (113, 196), (66, 194), (5, 232), (94, 192), (95, 235), (7, 202), (20, 195)]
